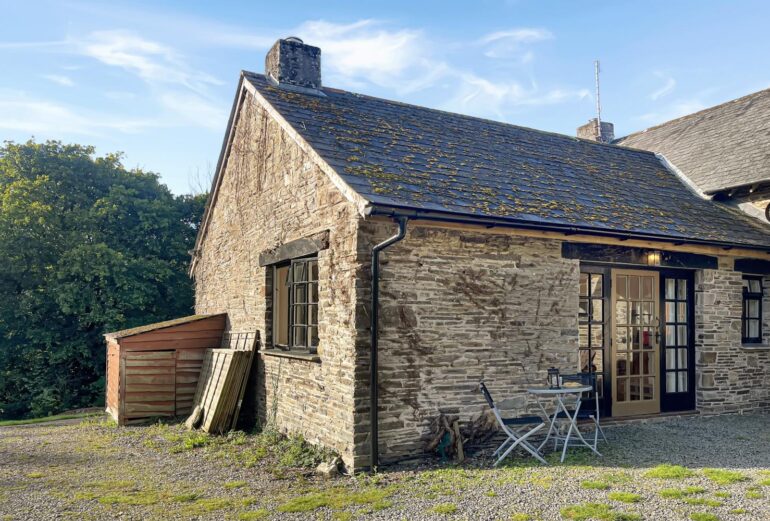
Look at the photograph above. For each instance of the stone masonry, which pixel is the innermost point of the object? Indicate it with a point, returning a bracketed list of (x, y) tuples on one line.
[(458, 307), (272, 193), (729, 376)]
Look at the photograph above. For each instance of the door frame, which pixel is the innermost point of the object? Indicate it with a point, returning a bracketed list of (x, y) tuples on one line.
[(671, 402), (647, 406)]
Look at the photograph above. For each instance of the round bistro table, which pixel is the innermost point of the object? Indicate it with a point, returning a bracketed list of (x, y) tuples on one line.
[(559, 395)]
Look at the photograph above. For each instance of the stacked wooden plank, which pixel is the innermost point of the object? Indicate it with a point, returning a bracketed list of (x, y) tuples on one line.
[(220, 387)]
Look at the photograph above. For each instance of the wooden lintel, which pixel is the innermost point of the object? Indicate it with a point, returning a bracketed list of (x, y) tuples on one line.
[(295, 249), (594, 239)]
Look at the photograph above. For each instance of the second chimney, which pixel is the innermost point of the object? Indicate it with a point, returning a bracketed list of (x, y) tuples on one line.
[(291, 62), (591, 131)]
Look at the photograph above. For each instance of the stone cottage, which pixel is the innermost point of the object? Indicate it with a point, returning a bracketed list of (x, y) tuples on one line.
[(502, 250)]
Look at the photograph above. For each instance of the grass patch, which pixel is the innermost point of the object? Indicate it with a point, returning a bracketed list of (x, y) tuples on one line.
[(45, 419), (680, 493), (723, 495), (35, 475), (594, 485), (234, 484), (666, 471), (754, 494), (262, 513), (738, 511), (624, 497), (724, 477), (186, 498), (520, 517), (132, 498), (342, 516), (703, 516), (444, 508), (339, 498), (600, 511), (765, 483), (703, 501), (206, 505)]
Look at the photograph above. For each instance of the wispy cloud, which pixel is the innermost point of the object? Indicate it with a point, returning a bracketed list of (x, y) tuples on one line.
[(669, 84), (509, 43), (674, 110), (19, 112), (64, 81)]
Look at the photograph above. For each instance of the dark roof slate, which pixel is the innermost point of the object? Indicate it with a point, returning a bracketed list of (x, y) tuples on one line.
[(719, 147), (402, 155)]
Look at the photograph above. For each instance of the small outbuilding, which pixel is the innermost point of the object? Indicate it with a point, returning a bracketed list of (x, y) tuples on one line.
[(153, 370)]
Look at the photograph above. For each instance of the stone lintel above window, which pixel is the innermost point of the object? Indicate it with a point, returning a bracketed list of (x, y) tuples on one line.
[(295, 249)]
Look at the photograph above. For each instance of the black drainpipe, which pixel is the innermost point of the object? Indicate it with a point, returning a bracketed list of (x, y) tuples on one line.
[(373, 389)]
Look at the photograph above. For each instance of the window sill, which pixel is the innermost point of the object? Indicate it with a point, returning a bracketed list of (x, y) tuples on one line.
[(756, 347), (294, 355)]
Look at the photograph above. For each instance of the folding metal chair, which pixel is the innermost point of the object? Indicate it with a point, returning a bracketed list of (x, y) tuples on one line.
[(515, 430), (584, 413)]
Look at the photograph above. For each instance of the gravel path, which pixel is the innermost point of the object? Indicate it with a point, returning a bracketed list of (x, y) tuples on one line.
[(91, 470)]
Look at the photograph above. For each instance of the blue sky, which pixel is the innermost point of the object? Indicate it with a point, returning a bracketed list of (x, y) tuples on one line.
[(155, 80)]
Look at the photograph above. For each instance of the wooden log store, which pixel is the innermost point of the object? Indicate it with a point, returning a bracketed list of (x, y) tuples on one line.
[(153, 370)]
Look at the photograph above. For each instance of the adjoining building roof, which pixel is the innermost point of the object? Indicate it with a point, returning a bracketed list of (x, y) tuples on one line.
[(159, 325), (409, 157), (718, 148)]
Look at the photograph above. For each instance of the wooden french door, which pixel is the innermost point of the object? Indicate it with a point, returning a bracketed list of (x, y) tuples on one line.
[(635, 345)]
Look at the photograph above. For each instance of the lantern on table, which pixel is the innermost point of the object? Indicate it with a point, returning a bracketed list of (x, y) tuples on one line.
[(553, 378)]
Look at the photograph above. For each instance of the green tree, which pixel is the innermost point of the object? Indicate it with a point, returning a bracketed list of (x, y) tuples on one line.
[(86, 247)]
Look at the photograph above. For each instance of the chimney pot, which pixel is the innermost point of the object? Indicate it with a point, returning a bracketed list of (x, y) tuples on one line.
[(591, 131), (292, 62)]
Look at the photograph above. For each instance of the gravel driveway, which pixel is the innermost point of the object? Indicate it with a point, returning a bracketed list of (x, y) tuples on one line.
[(715, 468)]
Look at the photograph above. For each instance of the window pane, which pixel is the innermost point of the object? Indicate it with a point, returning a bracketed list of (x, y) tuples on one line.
[(584, 284), (682, 378), (300, 293), (682, 312), (621, 340), (682, 358), (280, 306), (621, 364), (647, 312), (596, 286), (313, 336), (636, 389), (583, 309), (671, 382), (313, 270), (597, 361), (313, 293), (636, 364), (621, 389), (622, 287), (597, 339), (596, 310), (636, 312), (670, 358), (647, 288), (313, 314), (300, 315), (745, 284), (670, 312), (670, 289), (648, 388), (582, 335), (753, 308), (753, 329), (300, 338), (635, 340), (633, 287), (300, 272), (670, 335), (754, 286), (621, 312), (681, 335), (647, 367), (681, 289)]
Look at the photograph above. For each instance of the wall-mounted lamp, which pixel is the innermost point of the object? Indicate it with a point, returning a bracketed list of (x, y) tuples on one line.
[(653, 258)]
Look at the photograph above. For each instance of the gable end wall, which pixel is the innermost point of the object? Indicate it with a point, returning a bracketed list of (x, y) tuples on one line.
[(271, 193)]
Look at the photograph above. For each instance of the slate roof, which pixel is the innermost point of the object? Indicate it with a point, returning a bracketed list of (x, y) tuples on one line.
[(394, 154), (720, 147)]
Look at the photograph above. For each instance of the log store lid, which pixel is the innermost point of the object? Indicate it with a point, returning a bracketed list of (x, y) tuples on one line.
[(159, 325)]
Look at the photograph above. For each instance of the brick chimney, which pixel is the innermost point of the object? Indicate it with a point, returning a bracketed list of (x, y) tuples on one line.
[(291, 62), (591, 131)]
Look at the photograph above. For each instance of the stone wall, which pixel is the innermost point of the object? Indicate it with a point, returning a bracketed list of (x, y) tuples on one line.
[(272, 193), (730, 377), (458, 307)]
